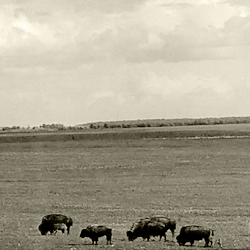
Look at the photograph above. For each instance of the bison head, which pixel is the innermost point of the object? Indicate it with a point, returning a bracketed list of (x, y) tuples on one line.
[(131, 236), (84, 233), (179, 240), (43, 229)]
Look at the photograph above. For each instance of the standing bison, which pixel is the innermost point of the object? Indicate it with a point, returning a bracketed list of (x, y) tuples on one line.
[(53, 222), (151, 226), (192, 233), (94, 232)]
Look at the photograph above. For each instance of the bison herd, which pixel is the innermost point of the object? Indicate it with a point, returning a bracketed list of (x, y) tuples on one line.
[(145, 228)]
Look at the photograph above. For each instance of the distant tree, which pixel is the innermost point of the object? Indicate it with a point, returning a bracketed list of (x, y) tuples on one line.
[(141, 125), (106, 125), (5, 128), (15, 127), (178, 123)]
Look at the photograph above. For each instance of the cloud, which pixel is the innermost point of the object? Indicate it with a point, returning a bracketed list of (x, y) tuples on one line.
[(142, 31), (238, 2), (90, 60), (110, 6)]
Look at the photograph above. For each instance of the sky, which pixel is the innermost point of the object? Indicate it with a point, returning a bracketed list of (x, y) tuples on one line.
[(78, 61)]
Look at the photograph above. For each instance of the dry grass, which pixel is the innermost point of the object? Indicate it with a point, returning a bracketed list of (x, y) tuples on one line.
[(116, 182)]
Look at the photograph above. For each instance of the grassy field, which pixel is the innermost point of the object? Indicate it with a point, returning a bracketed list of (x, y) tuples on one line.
[(115, 182)]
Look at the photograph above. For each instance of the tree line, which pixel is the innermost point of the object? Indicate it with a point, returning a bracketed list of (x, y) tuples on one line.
[(132, 124), (169, 122)]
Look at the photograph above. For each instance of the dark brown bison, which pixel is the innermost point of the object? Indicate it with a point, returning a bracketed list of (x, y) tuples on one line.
[(169, 224), (137, 229), (154, 229), (151, 226), (192, 233), (52, 228), (49, 223), (94, 232)]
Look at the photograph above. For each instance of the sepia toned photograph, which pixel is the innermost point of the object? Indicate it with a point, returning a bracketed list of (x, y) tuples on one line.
[(124, 124)]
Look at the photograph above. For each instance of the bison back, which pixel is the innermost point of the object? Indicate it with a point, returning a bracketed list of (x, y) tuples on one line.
[(99, 230), (169, 223), (195, 232), (137, 226), (58, 218)]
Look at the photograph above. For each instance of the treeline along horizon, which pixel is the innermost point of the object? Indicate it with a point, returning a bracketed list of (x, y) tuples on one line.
[(133, 124), (167, 122)]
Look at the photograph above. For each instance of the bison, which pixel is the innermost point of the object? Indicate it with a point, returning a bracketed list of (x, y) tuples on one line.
[(154, 229), (151, 226), (192, 233), (51, 222), (52, 228), (169, 224), (137, 229), (94, 232)]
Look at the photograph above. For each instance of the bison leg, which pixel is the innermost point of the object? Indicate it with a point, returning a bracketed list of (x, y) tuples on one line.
[(164, 235), (172, 231), (211, 241), (108, 237), (207, 242), (53, 232), (192, 242), (94, 241), (220, 242)]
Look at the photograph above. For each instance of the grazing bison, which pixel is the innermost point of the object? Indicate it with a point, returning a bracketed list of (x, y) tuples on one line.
[(169, 224), (192, 233), (137, 229), (51, 222), (52, 228), (154, 229), (151, 226), (94, 232)]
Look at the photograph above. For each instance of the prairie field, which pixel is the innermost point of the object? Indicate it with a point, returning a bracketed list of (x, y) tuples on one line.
[(115, 181)]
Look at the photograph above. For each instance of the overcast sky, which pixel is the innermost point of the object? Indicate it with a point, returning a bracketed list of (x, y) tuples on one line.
[(77, 61)]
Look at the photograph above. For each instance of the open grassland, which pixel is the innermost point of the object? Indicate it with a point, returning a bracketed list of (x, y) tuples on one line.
[(115, 182)]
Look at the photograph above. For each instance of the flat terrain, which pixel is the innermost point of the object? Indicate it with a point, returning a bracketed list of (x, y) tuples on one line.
[(115, 182)]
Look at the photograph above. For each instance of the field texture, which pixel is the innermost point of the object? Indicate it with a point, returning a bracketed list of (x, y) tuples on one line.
[(116, 182)]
